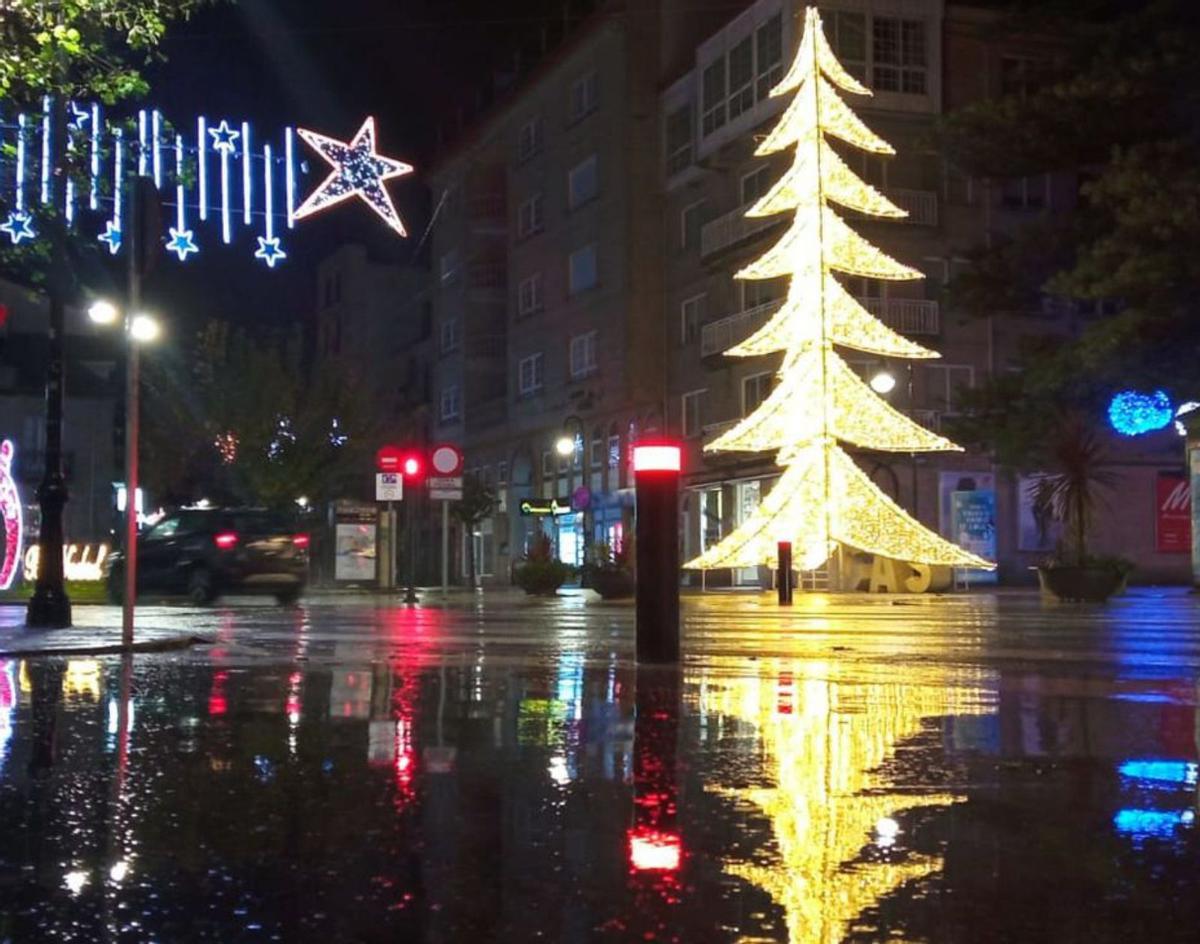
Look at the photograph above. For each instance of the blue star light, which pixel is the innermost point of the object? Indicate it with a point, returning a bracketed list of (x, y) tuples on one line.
[(181, 243), (18, 226), (224, 137), (358, 171), (112, 236), (79, 116), (1132, 413), (269, 251)]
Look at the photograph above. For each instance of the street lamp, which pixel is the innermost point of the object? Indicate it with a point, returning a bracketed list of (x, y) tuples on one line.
[(883, 381), (140, 328)]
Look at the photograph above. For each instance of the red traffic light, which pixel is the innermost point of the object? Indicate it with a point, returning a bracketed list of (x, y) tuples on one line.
[(657, 457), (388, 458), (412, 466)]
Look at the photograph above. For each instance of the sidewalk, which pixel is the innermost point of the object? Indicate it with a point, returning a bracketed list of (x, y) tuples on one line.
[(97, 631)]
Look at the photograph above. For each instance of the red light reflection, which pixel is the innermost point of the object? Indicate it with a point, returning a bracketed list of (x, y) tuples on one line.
[(652, 850)]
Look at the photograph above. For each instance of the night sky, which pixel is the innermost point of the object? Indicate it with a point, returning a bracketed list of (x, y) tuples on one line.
[(326, 64)]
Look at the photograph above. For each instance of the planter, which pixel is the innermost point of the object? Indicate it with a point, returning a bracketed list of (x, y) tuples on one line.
[(613, 584), (541, 578), (1086, 584)]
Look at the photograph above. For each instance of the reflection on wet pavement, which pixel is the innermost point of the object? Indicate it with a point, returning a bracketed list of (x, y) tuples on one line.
[(969, 771)]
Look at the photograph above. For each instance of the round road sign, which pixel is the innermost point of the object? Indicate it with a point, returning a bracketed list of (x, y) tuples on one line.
[(446, 460)]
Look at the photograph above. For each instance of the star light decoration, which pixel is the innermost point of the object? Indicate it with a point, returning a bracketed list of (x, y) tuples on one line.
[(823, 499), (111, 236), (181, 243), (19, 226), (358, 171), (224, 137), (269, 250)]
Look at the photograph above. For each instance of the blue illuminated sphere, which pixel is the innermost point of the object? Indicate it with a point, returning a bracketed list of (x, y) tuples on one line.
[(1132, 413)]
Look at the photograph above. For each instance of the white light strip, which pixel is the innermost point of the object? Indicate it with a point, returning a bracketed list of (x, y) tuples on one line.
[(70, 207), (180, 219), (226, 234), (142, 149), (202, 164), (290, 161), (94, 199), (118, 159), (268, 204), (246, 173), (46, 149), (21, 125), (156, 132)]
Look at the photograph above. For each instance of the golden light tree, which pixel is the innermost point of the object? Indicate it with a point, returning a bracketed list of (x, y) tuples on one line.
[(823, 498)]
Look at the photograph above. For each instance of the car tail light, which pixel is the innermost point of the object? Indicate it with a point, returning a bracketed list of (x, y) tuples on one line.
[(226, 540), (300, 540)]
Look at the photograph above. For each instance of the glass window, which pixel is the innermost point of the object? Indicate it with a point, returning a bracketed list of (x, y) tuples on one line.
[(769, 55), (596, 451), (755, 184), (582, 182), (529, 295), (583, 354), (449, 335), (898, 55), (584, 96), (691, 316), (847, 34), (529, 142), (691, 420), (713, 97), (582, 274), (449, 265), (741, 78), (755, 389), (529, 217), (691, 220), (757, 292), (679, 139), (530, 374), (450, 406)]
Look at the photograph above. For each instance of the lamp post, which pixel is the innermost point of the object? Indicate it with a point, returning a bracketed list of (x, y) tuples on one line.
[(572, 442), (140, 328)]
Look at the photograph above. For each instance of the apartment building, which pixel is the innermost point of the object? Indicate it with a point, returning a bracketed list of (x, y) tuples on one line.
[(548, 309), (921, 58)]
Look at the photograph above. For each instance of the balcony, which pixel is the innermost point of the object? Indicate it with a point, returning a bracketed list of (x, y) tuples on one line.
[(905, 315), (718, 336), (488, 275), (921, 206), (487, 210), (733, 228)]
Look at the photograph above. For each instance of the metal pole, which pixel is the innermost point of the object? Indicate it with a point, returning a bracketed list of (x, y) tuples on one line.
[(657, 605), (784, 554), (132, 413), (389, 579), (446, 547), (49, 607), (410, 514)]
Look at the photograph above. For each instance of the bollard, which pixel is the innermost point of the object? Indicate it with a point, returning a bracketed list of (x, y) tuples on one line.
[(656, 470), (785, 573)]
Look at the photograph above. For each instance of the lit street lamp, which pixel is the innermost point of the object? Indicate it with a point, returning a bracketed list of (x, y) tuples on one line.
[(140, 328), (883, 381)]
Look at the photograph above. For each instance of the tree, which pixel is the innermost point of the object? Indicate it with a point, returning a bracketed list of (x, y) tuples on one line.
[(823, 498), (478, 501), (1118, 107)]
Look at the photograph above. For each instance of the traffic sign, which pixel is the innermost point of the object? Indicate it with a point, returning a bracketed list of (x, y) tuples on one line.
[(389, 486), (445, 494), (447, 481), (446, 459), (388, 458)]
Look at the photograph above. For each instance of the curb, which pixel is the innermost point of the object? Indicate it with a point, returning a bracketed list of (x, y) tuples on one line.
[(154, 645)]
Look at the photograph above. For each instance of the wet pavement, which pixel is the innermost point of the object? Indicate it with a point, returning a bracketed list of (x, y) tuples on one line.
[(953, 769)]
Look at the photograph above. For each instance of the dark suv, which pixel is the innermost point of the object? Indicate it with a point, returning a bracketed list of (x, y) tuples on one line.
[(204, 552)]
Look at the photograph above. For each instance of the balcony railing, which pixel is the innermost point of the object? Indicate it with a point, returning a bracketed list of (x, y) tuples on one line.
[(921, 205), (905, 315), (487, 207), (718, 336), (732, 228), (488, 275)]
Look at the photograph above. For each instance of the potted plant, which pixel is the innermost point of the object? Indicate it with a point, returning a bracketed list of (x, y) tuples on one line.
[(612, 573), (540, 573), (1069, 494)]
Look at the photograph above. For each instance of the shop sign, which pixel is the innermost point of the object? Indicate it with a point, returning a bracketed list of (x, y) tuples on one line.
[(1173, 514), (80, 561), (546, 506)]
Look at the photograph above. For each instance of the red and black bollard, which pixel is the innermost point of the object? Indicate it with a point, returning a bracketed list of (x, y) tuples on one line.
[(656, 471), (784, 580)]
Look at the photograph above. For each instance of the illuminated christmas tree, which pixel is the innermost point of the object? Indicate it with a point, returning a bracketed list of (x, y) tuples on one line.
[(823, 498)]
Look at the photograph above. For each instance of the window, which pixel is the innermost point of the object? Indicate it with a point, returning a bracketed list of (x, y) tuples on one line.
[(1020, 76), (692, 426), (847, 34), (596, 450), (943, 383), (691, 219), (769, 55), (449, 335), (713, 98), (583, 354), (584, 96), (502, 472), (529, 295), (755, 184), (547, 465), (529, 141), (757, 292), (529, 217), (898, 55), (583, 269), (741, 78), (691, 317), (450, 263), (450, 405), (755, 389), (679, 139), (582, 183), (1025, 193), (614, 451), (530, 374)]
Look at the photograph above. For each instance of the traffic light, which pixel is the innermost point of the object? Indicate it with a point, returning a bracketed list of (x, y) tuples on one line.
[(413, 467)]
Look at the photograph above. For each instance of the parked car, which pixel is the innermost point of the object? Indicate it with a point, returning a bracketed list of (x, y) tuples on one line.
[(205, 552)]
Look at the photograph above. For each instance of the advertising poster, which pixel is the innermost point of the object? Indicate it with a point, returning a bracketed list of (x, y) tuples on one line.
[(973, 515), (1173, 514), (1028, 538), (1195, 471), (354, 553)]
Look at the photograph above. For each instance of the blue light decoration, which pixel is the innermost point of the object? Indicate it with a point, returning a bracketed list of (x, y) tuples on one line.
[(1158, 824), (109, 156), (1180, 773), (1131, 413)]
